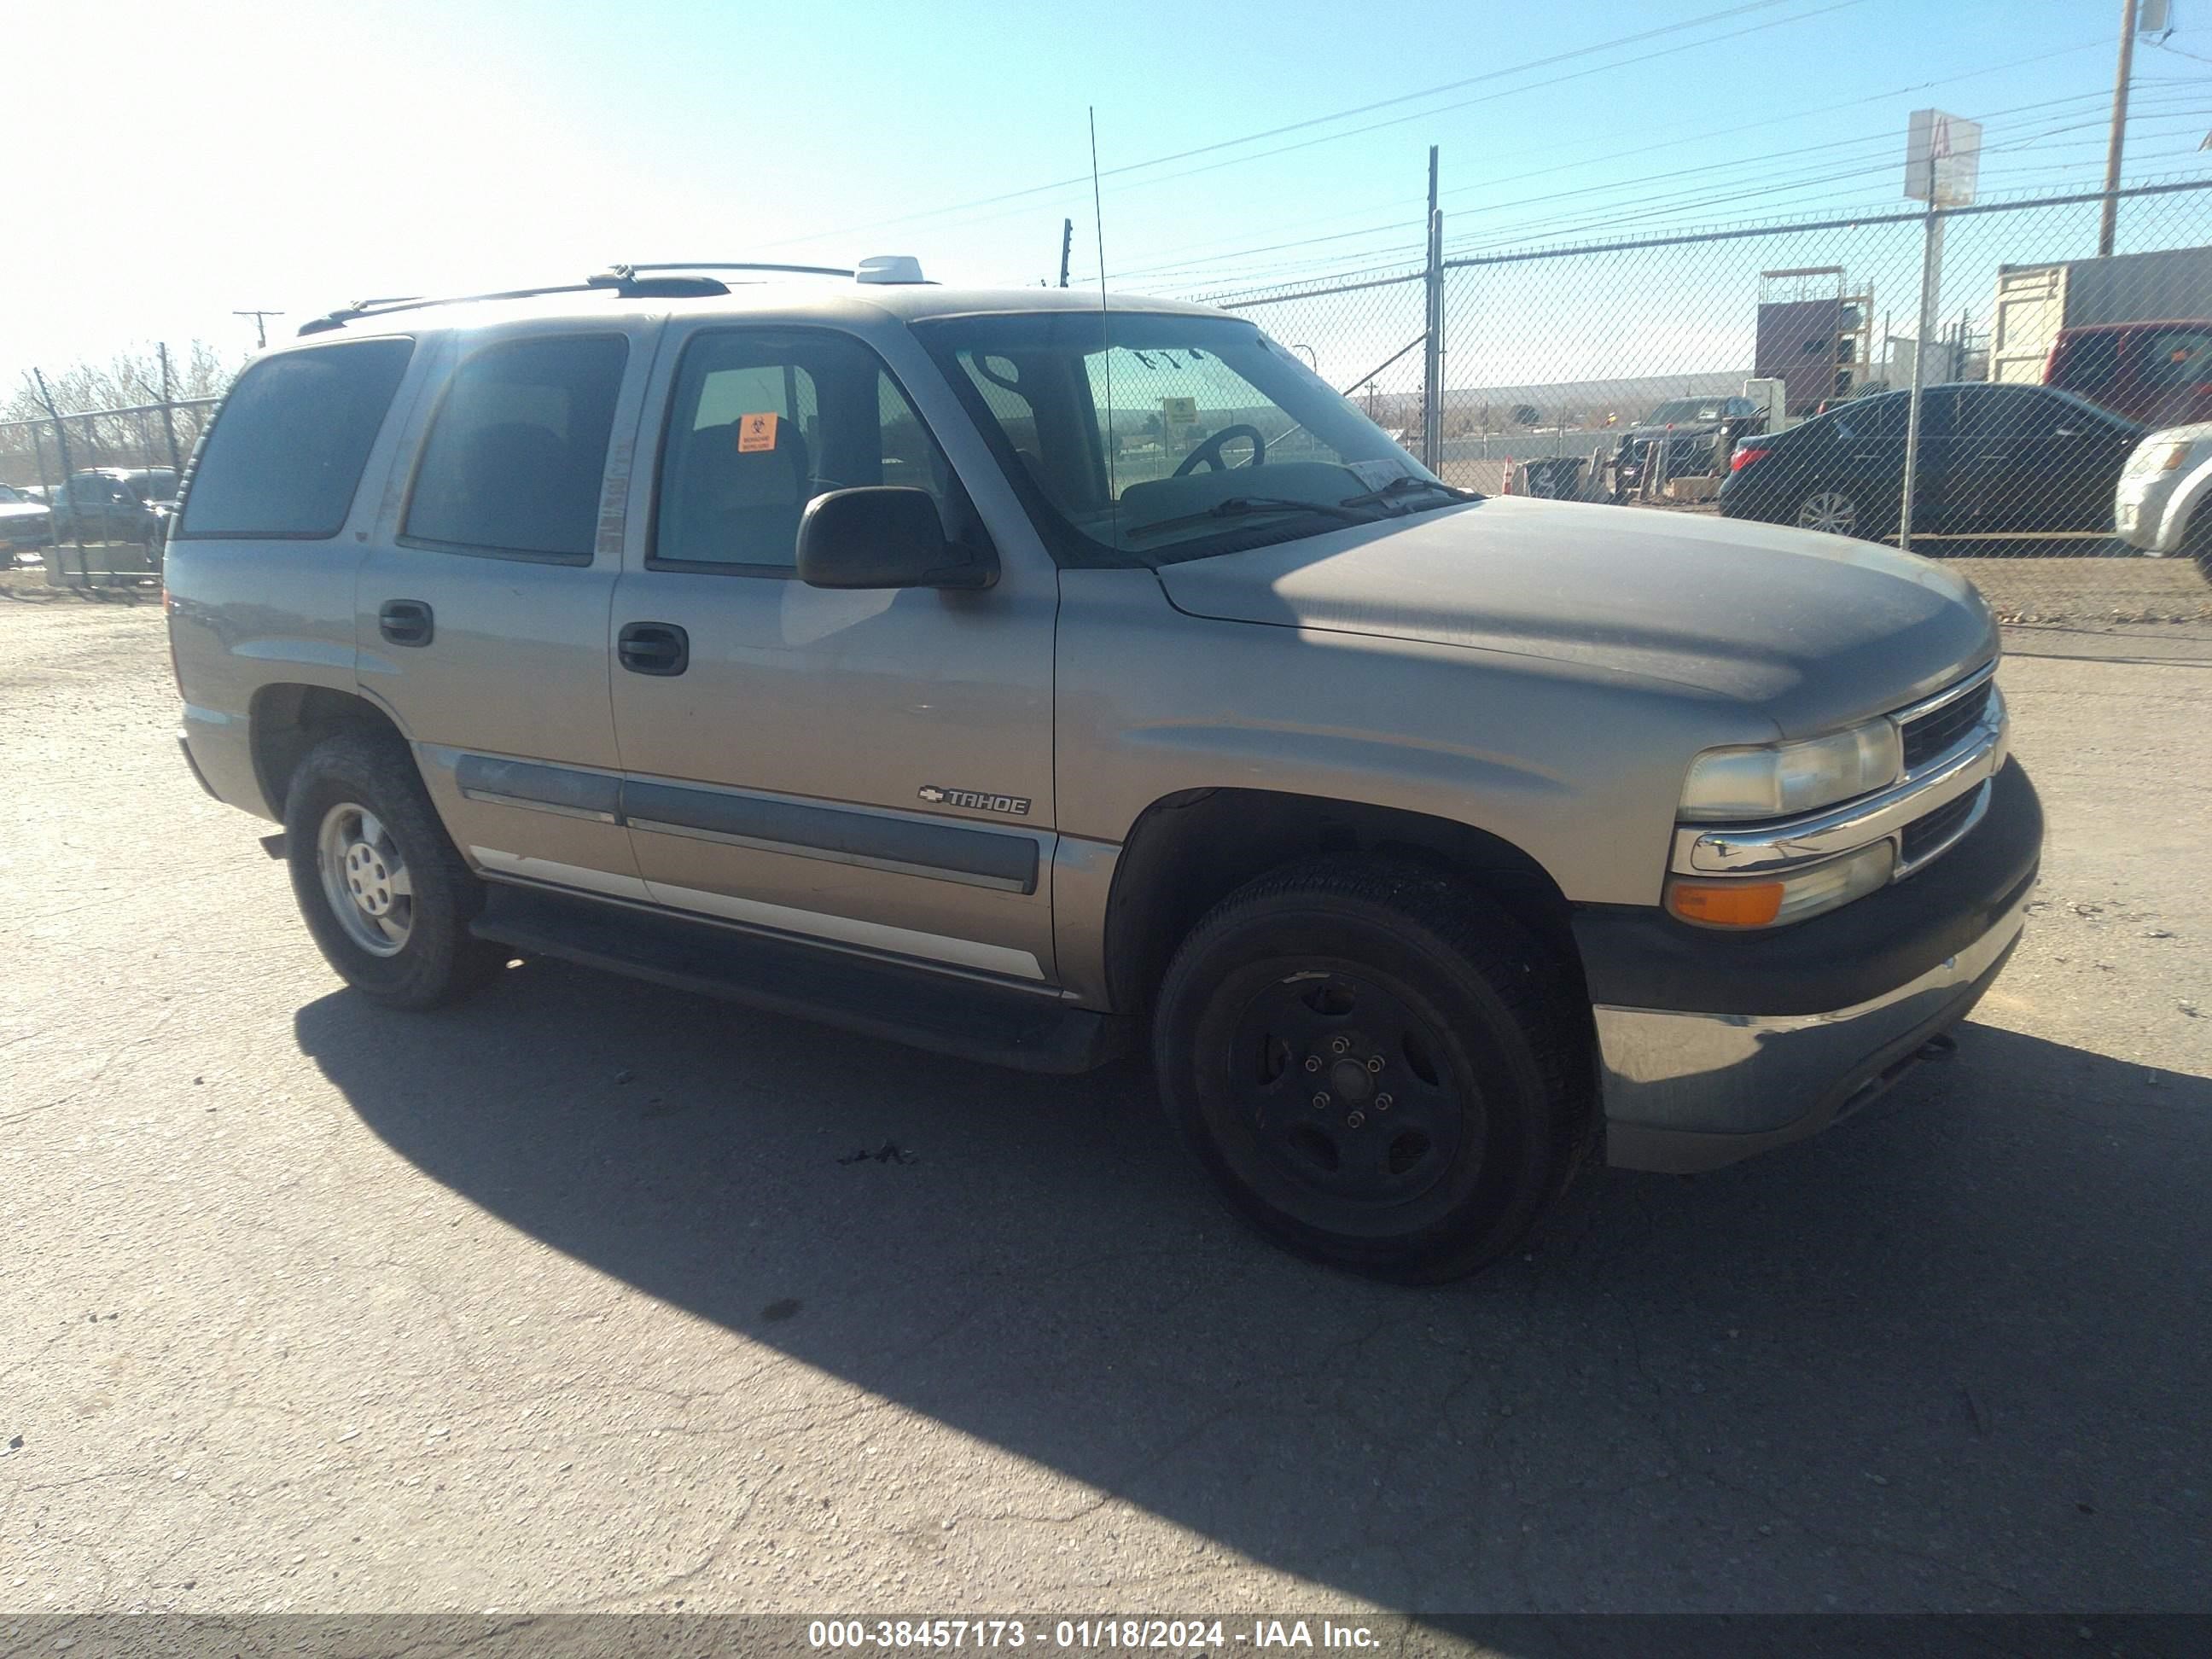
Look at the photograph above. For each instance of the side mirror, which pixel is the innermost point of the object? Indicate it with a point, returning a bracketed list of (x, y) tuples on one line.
[(883, 536)]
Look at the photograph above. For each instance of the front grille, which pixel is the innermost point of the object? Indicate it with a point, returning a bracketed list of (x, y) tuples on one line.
[(1938, 729), (1928, 832)]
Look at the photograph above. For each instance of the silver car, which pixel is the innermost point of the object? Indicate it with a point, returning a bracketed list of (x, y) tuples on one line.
[(1041, 681), (2160, 504)]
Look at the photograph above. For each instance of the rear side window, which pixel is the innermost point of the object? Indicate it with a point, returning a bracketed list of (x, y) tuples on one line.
[(1874, 418), (285, 455), (514, 461)]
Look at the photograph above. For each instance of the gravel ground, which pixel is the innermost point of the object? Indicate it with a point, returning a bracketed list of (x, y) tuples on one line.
[(576, 1298)]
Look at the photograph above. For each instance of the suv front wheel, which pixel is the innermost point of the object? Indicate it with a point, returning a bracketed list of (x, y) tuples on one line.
[(380, 885), (1380, 1069)]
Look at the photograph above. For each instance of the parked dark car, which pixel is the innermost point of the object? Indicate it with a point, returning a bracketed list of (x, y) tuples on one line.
[(115, 504), (1994, 460), (2157, 372), (1700, 433), (25, 521)]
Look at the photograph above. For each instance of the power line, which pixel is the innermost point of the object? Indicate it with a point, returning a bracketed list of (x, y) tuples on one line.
[(1534, 86), (1694, 137), (1607, 187), (1664, 207), (1324, 120), (1552, 231)]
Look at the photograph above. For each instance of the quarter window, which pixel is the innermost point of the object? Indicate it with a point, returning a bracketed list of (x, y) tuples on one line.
[(285, 455), (515, 460), (763, 422)]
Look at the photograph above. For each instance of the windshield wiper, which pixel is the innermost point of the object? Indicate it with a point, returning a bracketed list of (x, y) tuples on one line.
[(1404, 483), (1237, 507)]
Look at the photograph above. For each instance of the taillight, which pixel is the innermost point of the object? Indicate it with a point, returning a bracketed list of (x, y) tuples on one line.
[(1744, 457)]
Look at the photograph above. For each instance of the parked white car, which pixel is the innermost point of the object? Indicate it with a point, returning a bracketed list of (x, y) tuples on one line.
[(2160, 505)]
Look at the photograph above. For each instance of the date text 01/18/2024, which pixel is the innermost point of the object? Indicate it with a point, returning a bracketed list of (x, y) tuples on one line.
[(1186, 1636)]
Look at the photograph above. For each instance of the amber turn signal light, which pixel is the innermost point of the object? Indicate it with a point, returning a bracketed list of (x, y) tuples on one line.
[(1727, 904)]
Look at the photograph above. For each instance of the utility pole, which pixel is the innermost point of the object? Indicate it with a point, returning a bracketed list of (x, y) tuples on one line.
[(260, 329), (2108, 223), (1067, 243)]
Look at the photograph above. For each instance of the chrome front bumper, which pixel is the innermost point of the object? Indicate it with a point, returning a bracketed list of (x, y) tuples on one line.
[(1691, 1091)]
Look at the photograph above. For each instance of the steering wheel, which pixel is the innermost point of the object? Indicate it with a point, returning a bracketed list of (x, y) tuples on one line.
[(1210, 450)]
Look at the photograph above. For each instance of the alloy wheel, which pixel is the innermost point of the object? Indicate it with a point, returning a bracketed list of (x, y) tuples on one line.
[(366, 879), (1829, 510)]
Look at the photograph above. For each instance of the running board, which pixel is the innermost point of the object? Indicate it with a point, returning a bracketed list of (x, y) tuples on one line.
[(923, 1010)]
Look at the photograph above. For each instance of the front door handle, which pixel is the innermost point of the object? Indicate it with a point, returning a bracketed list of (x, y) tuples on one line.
[(405, 622), (649, 648)]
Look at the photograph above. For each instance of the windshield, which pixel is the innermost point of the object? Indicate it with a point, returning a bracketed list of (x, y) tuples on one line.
[(1162, 437), (1687, 409)]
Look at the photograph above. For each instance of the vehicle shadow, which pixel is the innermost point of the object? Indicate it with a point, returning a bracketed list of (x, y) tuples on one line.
[(1951, 1356)]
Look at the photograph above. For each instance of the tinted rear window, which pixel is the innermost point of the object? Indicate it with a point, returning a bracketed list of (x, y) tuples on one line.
[(512, 463), (286, 452)]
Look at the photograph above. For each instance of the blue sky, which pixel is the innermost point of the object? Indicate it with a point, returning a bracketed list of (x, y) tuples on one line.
[(298, 156)]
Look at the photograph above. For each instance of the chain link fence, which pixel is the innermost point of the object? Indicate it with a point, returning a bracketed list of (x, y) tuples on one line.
[(88, 493), (1766, 371)]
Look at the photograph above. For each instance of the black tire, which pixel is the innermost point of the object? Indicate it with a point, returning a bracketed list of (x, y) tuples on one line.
[(2197, 544), (1400, 973), (436, 960)]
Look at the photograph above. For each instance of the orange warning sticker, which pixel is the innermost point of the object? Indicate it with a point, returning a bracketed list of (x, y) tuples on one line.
[(755, 433)]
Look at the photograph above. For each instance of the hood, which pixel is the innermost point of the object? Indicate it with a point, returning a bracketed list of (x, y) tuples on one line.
[(1810, 630)]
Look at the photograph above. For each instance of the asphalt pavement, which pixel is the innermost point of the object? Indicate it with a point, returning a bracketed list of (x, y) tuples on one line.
[(592, 1295)]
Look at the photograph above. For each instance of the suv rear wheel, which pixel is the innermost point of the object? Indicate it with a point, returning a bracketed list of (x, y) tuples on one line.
[(1380, 1069), (380, 886)]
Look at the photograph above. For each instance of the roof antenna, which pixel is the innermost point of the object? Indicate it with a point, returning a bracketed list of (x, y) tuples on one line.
[(1105, 345)]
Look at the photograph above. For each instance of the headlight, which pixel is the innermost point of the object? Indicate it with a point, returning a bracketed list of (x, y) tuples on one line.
[(1780, 781), (2159, 457), (1741, 902)]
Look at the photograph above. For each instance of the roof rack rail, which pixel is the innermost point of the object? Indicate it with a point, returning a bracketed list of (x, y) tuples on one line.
[(620, 279), (726, 265)]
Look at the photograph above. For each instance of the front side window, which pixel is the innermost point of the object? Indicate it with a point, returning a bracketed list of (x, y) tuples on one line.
[(1152, 437), (763, 420), (515, 459), (285, 455)]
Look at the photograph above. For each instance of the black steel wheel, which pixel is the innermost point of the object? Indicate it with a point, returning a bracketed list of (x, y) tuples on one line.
[(1380, 1068), (1335, 1103)]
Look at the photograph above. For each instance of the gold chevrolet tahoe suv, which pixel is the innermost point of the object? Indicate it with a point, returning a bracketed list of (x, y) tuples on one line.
[(1036, 678)]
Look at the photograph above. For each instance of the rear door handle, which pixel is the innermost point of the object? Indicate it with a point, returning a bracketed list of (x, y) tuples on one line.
[(662, 649), (405, 622)]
